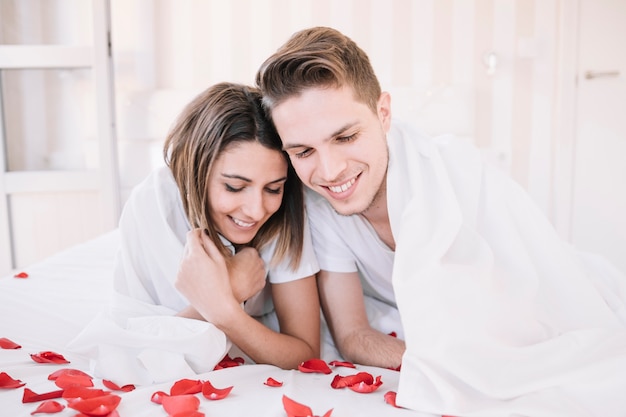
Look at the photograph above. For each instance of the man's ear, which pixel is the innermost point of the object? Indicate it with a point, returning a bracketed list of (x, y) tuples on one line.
[(383, 108)]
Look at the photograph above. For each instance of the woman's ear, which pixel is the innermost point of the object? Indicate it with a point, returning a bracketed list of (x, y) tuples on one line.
[(383, 109)]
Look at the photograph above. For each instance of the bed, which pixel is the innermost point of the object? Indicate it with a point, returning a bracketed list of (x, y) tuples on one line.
[(56, 298)]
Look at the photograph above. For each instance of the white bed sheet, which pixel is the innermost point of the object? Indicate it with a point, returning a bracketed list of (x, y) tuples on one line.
[(65, 292)]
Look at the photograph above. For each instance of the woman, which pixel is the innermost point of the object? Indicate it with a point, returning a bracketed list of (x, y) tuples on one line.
[(200, 236)]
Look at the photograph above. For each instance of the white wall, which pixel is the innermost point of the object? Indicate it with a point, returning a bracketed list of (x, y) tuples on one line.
[(429, 53)]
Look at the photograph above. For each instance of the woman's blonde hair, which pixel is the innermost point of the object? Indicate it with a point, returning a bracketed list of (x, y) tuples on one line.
[(223, 115)]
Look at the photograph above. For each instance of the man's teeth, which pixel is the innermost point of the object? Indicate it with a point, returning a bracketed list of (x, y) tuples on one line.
[(343, 187), (241, 223)]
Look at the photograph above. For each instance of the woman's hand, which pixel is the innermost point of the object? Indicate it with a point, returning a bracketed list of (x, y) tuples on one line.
[(203, 278), (247, 273)]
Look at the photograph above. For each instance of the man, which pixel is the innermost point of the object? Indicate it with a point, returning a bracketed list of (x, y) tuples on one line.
[(500, 317)]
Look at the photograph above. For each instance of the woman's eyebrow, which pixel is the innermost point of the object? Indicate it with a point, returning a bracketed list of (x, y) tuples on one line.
[(236, 177), (239, 177)]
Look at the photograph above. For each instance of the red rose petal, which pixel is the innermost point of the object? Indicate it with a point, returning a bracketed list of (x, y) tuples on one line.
[(6, 382), (29, 396), (189, 414), (186, 386), (73, 380), (180, 403), (390, 398), (8, 344), (228, 362), (48, 407), (365, 388), (347, 381), (96, 406), (48, 357), (21, 275), (393, 334), (83, 392), (67, 371), (158, 396), (314, 365), (271, 382), (212, 393), (342, 363), (296, 409), (113, 386)]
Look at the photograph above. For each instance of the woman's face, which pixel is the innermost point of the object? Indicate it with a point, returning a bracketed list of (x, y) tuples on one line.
[(246, 186)]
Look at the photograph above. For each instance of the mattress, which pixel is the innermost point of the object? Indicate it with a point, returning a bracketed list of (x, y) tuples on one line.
[(44, 306)]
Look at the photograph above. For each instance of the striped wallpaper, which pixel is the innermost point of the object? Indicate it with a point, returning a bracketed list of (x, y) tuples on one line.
[(429, 53)]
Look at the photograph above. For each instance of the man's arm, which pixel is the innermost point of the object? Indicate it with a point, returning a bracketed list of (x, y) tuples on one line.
[(341, 297)]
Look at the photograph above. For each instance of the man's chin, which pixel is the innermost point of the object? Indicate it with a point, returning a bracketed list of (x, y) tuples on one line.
[(345, 209)]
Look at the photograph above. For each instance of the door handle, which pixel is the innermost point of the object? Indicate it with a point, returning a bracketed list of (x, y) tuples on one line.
[(600, 74)]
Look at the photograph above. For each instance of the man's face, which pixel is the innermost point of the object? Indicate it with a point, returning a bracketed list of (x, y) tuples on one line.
[(337, 145)]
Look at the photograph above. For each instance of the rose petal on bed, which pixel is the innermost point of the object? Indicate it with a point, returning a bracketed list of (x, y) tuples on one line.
[(349, 380), (228, 362), (365, 388), (393, 334), (186, 386), (83, 392), (73, 380), (21, 275), (8, 344), (314, 365), (296, 409), (30, 396), (48, 407), (158, 396), (390, 398), (180, 403), (48, 357), (67, 371), (113, 386), (212, 393), (96, 406), (271, 382), (345, 364), (188, 414), (6, 382)]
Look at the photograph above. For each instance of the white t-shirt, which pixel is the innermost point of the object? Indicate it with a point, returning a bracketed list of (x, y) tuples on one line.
[(350, 244), (153, 230)]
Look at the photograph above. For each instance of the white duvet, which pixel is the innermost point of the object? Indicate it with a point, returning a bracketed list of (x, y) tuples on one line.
[(501, 317)]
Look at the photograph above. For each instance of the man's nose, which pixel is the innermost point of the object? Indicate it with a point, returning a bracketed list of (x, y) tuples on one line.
[(330, 165)]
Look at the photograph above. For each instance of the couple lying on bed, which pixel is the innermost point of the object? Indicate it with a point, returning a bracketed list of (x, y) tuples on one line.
[(499, 316)]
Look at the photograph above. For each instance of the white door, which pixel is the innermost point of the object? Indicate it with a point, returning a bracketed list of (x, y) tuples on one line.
[(598, 221), (58, 158)]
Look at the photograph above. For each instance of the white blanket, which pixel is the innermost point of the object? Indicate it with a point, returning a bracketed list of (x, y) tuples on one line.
[(138, 338), (501, 318)]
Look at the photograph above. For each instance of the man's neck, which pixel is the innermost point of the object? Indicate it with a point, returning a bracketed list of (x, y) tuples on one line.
[(378, 216)]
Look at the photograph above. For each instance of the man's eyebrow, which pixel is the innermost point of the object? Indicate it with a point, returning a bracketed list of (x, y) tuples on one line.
[(332, 135)]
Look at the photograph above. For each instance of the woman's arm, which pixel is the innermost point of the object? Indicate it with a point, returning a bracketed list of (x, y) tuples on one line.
[(298, 312), (203, 278)]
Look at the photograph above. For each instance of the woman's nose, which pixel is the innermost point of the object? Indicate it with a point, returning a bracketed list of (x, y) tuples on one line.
[(254, 206)]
